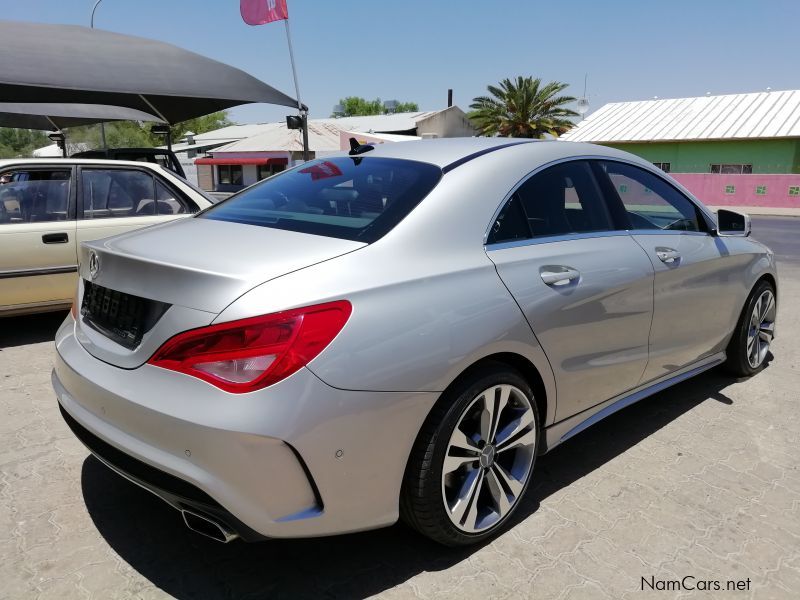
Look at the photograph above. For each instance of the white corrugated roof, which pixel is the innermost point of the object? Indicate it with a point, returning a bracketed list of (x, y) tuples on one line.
[(380, 123), (323, 133), (732, 116), (276, 137), (233, 132)]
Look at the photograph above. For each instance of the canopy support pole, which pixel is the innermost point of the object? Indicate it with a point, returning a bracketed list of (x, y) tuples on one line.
[(160, 116), (57, 128), (303, 113)]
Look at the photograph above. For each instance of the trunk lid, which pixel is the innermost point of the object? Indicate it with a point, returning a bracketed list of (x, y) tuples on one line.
[(141, 288)]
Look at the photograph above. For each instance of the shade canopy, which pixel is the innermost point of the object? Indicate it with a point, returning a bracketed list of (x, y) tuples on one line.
[(58, 116), (45, 63)]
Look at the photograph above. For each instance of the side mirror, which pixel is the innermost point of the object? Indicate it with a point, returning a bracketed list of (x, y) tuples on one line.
[(732, 224)]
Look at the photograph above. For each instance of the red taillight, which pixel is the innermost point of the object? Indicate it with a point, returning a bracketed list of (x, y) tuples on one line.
[(247, 355)]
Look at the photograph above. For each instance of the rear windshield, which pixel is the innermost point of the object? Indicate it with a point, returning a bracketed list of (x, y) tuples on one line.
[(358, 198)]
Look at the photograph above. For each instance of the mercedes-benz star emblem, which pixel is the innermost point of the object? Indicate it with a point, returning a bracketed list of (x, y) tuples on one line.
[(94, 265)]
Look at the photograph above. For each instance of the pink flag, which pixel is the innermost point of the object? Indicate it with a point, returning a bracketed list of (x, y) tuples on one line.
[(258, 12)]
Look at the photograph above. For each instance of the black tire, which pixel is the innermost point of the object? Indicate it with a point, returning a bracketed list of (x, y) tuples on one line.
[(421, 503), (737, 363)]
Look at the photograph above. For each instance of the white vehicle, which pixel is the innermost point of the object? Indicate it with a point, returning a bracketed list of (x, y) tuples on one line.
[(49, 206)]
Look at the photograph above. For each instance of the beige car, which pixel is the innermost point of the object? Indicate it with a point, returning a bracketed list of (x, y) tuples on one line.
[(49, 206)]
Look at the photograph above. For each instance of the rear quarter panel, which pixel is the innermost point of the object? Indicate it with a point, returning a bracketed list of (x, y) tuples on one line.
[(427, 301)]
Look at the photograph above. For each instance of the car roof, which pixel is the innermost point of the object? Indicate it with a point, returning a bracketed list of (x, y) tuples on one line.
[(447, 153), (6, 162)]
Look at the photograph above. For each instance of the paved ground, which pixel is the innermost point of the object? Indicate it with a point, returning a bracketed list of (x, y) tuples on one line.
[(701, 481)]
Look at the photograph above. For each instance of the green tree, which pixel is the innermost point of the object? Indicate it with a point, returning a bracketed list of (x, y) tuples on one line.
[(21, 142), (523, 108), (132, 134), (357, 106), (210, 122)]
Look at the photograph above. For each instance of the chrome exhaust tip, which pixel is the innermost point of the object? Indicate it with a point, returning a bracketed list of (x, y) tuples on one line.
[(208, 527)]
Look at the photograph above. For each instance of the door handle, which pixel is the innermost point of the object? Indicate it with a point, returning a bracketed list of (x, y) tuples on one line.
[(55, 238), (558, 275), (668, 255)]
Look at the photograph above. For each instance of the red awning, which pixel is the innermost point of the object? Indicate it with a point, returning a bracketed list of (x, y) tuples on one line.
[(241, 161)]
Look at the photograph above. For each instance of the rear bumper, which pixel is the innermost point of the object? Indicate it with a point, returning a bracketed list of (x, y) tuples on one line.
[(176, 492), (265, 464)]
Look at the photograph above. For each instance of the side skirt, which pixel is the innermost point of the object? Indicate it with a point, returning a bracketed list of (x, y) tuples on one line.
[(564, 430)]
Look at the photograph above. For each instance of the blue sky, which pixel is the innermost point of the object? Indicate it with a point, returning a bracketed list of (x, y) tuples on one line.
[(416, 49)]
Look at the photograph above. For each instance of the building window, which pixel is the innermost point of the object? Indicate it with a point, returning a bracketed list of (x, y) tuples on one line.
[(761, 190), (663, 166), (623, 189), (265, 171), (794, 190), (230, 174), (732, 169), (730, 189)]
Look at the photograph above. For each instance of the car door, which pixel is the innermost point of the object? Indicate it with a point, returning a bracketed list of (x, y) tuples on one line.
[(696, 293), (113, 200), (38, 258), (585, 286)]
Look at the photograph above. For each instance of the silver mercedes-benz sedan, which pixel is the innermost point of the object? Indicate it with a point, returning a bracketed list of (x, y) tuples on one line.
[(399, 332)]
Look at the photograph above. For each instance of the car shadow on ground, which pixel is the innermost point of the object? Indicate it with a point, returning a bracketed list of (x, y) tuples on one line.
[(150, 535), (30, 329)]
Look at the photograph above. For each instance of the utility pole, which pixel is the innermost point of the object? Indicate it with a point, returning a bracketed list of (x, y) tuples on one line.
[(102, 125), (303, 112)]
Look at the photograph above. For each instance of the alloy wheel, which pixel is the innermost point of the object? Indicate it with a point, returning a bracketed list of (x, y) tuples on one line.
[(760, 329), (489, 458)]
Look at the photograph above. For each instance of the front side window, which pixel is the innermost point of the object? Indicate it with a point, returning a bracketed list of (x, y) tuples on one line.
[(108, 193), (359, 198), (34, 196), (560, 200), (650, 202)]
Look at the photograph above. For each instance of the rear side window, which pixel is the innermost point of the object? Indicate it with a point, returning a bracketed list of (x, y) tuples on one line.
[(108, 193), (358, 198), (34, 196), (560, 200), (168, 202)]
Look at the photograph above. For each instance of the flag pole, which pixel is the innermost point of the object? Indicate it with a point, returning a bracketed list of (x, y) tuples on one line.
[(303, 113)]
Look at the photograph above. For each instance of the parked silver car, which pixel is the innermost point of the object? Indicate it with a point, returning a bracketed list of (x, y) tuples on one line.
[(400, 332)]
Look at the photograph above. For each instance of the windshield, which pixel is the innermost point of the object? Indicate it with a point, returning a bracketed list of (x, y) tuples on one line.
[(358, 198)]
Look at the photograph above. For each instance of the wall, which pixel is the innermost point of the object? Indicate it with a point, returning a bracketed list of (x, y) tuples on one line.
[(766, 156), (205, 177), (189, 168), (710, 188), (450, 122)]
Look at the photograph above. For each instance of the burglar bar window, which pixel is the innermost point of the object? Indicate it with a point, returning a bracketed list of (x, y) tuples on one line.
[(230, 174), (265, 171), (732, 169), (663, 166)]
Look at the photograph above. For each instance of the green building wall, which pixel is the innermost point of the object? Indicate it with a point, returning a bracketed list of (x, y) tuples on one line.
[(766, 156)]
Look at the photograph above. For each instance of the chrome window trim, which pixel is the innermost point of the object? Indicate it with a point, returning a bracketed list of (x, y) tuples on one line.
[(551, 239), (666, 232), (559, 238)]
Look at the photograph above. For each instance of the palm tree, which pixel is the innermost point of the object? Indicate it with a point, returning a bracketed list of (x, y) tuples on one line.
[(523, 108)]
